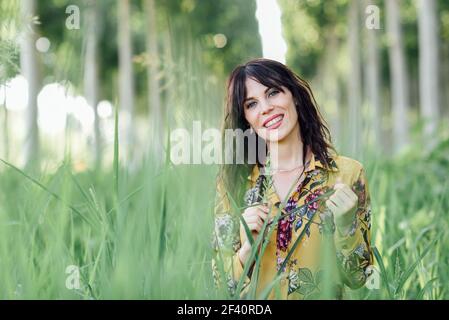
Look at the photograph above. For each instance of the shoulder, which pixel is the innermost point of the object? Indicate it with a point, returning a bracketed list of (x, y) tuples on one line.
[(350, 170), (346, 164)]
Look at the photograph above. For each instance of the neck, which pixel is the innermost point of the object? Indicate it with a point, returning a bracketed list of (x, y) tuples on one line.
[(287, 153)]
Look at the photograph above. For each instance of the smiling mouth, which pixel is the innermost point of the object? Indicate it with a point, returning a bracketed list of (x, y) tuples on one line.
[(274, 123)]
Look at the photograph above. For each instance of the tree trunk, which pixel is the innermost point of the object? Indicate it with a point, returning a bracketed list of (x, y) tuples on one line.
[(154, 102), (126, 80), (428, 68), (372, 82), (398, 76), (329, 81), (354, 81), (91, 78), (29, 61), (5, 128), (444, 94)]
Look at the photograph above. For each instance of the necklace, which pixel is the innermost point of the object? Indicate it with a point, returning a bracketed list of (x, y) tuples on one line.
[(289, 170)]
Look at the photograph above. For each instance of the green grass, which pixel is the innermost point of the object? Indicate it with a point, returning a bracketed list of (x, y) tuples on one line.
[(149, 237)]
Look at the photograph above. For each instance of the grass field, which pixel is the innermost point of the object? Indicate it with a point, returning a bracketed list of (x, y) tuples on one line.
[(149, 237)]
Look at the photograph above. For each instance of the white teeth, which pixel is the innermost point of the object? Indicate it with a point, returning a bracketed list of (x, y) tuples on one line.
[(274, 121)]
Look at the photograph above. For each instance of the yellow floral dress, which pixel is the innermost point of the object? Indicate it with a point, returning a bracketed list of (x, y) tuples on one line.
[(304, 240)]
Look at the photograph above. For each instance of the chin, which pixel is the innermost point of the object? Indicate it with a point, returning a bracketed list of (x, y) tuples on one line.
[(274, 136)]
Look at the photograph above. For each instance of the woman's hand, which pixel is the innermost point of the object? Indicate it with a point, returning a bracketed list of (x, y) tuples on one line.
[(343, 204), (254, 218)]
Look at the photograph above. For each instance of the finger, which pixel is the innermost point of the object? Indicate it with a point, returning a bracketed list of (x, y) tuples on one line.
[(351, 193), (257, 219), (248, 213), (252, 219), (342, 201), (348, 196), (255, 227), (336, 198), (260, 223), (256, 212), (335, 203), (262, 215), (344, 196), (263, 208)]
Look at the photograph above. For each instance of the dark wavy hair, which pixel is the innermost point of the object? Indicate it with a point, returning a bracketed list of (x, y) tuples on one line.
[(314, 132)]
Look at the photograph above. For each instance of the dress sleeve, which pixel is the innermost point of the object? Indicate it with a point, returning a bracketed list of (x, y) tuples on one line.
[(226, 243), (353, 249)]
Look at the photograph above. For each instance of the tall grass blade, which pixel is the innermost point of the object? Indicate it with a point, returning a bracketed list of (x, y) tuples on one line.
[(48, 191)]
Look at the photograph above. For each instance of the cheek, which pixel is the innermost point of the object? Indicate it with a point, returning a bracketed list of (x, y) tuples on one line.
[(292, 112), (251, 118)]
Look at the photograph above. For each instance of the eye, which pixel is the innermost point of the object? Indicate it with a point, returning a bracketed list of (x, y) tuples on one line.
[(273, 92), (250, 105)]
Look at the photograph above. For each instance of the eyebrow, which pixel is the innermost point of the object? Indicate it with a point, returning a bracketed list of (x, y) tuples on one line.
[(246, 99)]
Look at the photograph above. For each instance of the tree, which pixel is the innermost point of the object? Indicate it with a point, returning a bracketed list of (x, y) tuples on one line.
[(428, 67), (373, 79), (398, 76), (154, 101), (126, 78), (9, 62), (30, 65), (204, 20), (355, 77), (91, 73)]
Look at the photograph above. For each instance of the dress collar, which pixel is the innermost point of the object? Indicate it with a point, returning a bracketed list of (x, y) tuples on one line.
[(314, 163)]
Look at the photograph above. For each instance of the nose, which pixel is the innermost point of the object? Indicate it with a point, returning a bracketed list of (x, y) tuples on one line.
[(265, 107)]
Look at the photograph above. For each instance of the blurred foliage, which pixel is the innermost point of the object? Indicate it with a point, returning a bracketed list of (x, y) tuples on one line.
[(309, 24), (9, 30), (9, 60), (204, 19), (179, 23)]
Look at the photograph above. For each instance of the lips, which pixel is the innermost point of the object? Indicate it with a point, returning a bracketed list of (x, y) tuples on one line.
[(273, 121)]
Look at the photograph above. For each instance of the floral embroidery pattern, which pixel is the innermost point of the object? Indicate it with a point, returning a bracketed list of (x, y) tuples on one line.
[(225, 235), (352, 250), (284, 231), (327, 224), (285, 225), (253, 195), (354, 264), (304, 281), (284, 235), (364, 205)]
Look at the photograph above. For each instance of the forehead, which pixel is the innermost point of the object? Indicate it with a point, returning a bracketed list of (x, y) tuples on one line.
[(254, 88)]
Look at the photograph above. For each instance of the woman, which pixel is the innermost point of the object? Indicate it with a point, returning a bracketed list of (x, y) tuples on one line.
[(307, 204)]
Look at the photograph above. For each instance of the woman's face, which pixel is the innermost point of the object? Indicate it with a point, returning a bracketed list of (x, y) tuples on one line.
[(270, 112)]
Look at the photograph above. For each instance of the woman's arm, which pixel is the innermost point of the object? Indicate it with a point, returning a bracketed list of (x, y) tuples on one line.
[(226, 264), (353, 245)]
